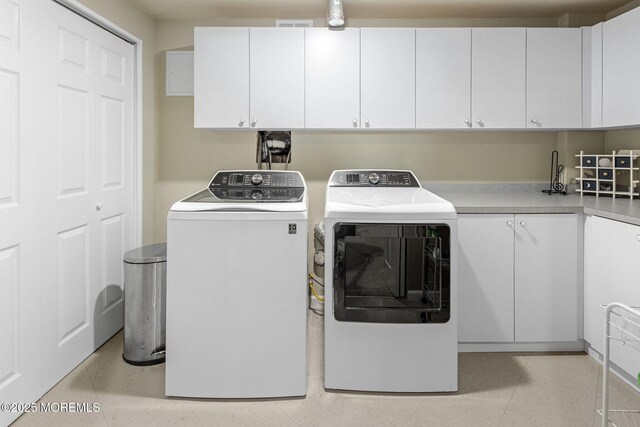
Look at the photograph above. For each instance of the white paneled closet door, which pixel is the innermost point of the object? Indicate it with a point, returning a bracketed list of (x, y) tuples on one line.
[(19, 228), (88, 191)]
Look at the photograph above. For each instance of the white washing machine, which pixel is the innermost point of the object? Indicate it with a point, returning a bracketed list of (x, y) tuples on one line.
[(390, 285), (237, 288)]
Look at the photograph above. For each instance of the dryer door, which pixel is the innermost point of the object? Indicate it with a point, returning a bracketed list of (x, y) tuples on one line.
[(391, 273)]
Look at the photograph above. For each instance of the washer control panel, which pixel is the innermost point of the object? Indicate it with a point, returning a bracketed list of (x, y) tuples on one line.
[(259, 186), (373, 178)]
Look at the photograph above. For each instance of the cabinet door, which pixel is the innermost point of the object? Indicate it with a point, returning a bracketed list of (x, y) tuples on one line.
[(546, 277), (621, 70), (554, 78), (443, 77), (276, 78), (592, 76), (498, 77), (485, 278), (221, 77), (332, 78), (388, 71), (612, 251)]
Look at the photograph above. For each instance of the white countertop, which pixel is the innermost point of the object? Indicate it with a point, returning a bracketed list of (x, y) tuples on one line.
[(474, 202)]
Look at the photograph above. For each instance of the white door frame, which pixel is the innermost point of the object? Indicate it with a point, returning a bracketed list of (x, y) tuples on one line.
[(99, 20)]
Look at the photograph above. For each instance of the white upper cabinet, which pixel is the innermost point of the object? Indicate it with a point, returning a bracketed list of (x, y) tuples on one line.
[(249, 78), (443, 78), (554, 78), (276, 78), (332, 78), (387, 79), (621, 70), (221, 77), (498, 78), (592, 76)]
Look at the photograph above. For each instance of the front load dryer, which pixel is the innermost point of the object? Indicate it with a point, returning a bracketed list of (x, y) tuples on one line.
[(390, 285), (236, 288)]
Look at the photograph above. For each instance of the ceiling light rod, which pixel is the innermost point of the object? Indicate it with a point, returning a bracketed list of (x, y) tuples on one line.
[(335, 15)]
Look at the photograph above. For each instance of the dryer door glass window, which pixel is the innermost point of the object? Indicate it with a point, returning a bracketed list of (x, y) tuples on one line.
[(391, 273)]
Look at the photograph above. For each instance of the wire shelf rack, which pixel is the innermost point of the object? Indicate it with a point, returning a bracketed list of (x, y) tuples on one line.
[(622, 324)]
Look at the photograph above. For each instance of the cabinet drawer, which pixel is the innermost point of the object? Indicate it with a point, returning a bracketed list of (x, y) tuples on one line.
[(589, 161), (623, 162), (605, 174), (589, 185)]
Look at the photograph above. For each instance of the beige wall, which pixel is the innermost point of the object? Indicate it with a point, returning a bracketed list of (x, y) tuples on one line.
[(179, 159), (127, 16), (188, 157)]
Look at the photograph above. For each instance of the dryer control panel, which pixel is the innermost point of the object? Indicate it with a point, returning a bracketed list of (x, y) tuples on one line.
[(373, 178), (260, 185)]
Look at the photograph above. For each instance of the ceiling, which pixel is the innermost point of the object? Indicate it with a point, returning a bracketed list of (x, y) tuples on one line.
[(393, 9)]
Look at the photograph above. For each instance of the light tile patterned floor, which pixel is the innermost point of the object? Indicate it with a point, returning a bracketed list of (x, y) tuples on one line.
[(495, 389)]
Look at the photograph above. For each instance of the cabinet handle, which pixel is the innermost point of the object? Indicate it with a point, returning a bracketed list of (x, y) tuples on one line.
[(638, 237), (534, 120), (366, 123), (253, 123), (523, 224), (242, 121), (355, 123), (467, 122), (509, 223), (478, 121), (99, 206)]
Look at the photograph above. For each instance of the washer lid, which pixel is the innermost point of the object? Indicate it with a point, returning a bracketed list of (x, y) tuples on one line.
[(254, 186), (147, 254), (249, 191)]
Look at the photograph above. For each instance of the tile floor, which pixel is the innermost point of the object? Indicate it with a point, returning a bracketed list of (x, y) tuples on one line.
[(495, 389)]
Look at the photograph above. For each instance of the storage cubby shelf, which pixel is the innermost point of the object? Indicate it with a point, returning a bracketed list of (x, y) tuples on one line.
[(617, 179)]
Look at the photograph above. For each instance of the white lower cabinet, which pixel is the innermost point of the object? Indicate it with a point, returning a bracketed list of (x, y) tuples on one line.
[(519, 277), (611, 253), (485, 278)]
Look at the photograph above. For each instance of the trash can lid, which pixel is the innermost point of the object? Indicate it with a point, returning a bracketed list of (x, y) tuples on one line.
[(147, 254)]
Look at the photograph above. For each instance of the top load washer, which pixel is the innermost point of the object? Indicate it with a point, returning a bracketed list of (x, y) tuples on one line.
[(237, 288), (390, 284)]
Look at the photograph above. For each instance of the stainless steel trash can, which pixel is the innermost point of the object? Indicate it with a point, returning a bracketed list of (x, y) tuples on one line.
[(145, 290)]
